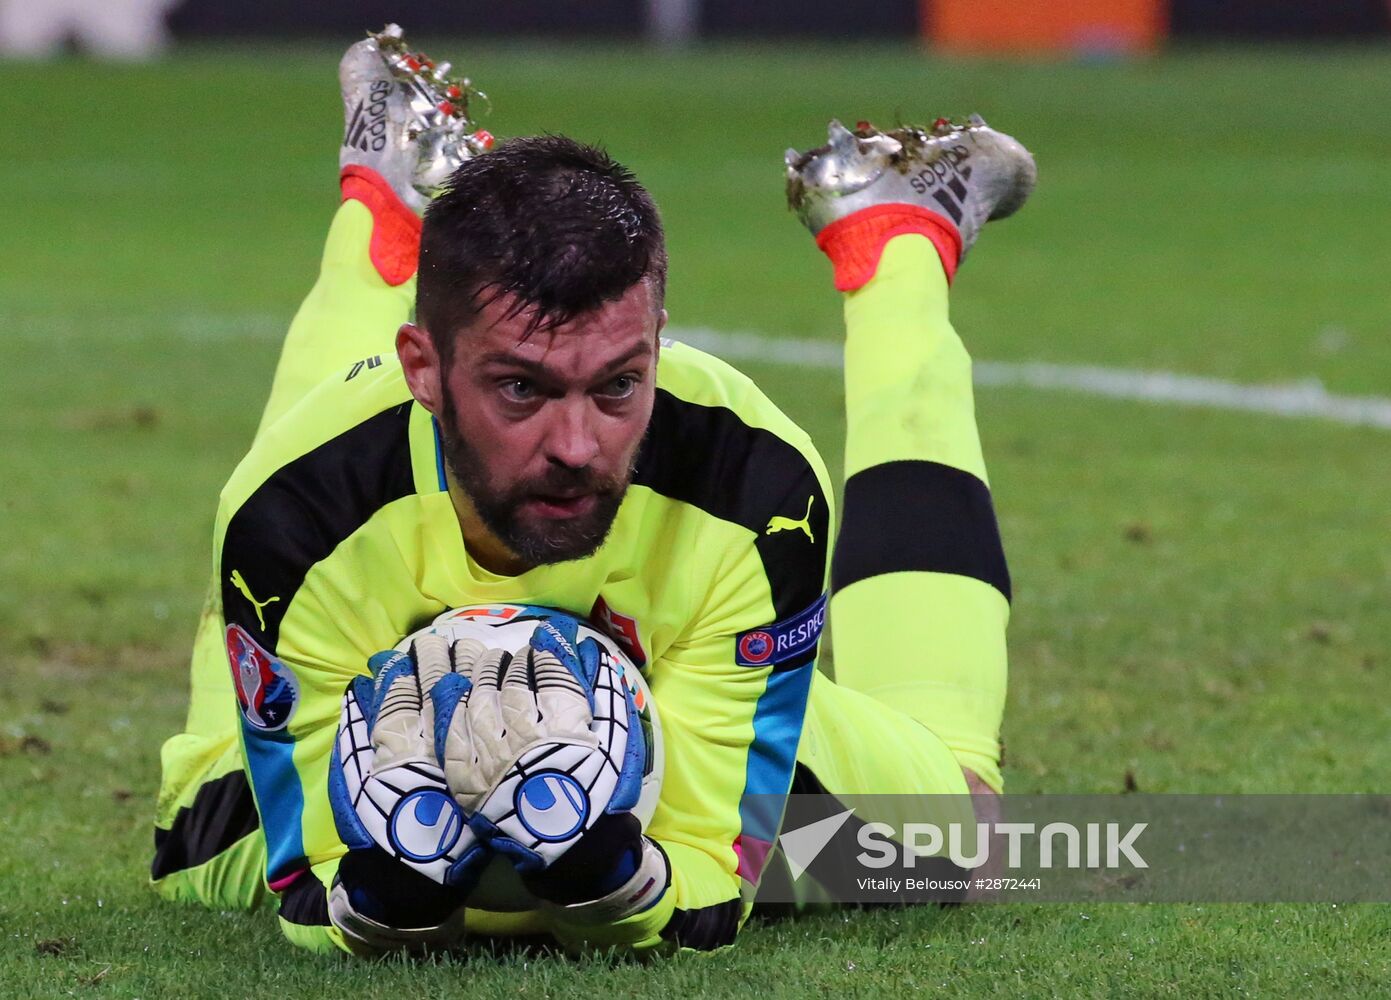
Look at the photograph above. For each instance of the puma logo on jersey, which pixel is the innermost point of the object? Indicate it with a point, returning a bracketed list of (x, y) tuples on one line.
[(239, 582), (780, 523)]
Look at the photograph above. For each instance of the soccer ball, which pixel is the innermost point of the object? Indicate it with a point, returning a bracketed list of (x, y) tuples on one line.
[(509, 626)]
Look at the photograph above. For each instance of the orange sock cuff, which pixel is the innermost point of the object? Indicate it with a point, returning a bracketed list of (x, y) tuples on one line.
[(856, 242), (395, 246)]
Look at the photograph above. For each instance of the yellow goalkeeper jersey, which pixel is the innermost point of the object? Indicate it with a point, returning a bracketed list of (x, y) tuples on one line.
[(336, 537)]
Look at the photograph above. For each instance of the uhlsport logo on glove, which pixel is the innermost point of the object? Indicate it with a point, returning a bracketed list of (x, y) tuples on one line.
[(425, 825), (552, 805)]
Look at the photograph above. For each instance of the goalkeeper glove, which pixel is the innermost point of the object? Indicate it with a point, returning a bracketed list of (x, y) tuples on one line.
[(411, 858), (548, 781)]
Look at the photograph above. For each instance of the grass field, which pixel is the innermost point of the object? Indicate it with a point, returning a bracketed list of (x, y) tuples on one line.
[(1201, 597)]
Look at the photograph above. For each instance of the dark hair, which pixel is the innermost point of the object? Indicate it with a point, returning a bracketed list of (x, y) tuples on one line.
[(558, 224)]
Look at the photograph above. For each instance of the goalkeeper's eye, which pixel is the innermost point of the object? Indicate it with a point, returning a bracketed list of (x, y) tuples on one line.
[(620, 388), (519, 390)]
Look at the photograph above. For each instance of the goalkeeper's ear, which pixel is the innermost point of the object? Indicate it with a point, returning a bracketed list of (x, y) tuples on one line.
[(421, 364)]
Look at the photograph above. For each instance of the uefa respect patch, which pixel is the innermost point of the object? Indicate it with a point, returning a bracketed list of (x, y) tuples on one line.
[(782, 641)]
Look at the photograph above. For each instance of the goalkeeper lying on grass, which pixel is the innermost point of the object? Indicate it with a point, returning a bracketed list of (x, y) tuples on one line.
[(530, 438)]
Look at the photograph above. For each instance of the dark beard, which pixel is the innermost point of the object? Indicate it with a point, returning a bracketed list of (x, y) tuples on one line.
[(535, 545)]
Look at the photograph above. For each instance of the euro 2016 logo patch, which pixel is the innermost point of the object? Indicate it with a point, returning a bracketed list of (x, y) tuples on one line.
[(782, 641), (267, 690)]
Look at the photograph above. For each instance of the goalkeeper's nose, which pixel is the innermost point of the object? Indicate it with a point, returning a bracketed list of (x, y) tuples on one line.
[(572, 436)]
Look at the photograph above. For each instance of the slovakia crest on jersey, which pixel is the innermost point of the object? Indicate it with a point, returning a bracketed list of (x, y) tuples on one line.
[(267, 691), (622, 629)]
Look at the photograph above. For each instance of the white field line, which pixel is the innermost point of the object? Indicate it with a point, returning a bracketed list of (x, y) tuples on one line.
[(1306, 398)]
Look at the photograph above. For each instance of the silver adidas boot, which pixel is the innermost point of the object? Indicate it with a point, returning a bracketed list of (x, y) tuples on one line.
[(406, 117), (966, 174)]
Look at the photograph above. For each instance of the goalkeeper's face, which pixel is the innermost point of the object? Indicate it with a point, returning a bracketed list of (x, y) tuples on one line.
[(541, 429)]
